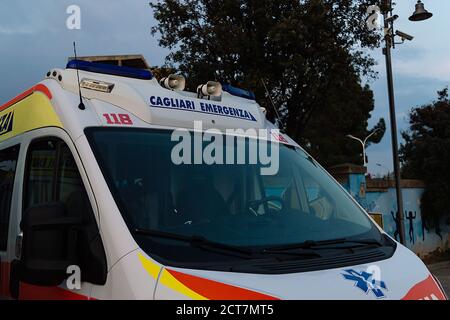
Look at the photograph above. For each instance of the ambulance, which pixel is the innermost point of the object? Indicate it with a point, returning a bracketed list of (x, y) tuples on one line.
[(93, 205)]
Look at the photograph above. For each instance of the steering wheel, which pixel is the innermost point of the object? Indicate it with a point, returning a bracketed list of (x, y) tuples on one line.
[(255, 204)]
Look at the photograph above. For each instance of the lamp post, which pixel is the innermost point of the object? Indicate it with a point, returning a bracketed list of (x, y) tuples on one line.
[(388, 173), (363, 143), (419, 14)]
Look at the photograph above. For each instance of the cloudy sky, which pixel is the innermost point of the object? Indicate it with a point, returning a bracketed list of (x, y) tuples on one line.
[(34, 38)]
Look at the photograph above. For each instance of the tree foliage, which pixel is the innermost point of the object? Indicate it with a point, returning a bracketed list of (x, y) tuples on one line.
[(425, 155), (306, 52)]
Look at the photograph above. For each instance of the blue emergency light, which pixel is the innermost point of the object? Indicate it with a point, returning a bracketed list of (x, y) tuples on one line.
[(110, 69), (246, 94)]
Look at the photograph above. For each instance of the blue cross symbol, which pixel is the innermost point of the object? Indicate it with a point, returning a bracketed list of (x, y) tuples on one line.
[(366, 283)]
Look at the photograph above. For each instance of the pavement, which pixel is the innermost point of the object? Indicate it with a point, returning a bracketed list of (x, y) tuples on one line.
[(442, 272)]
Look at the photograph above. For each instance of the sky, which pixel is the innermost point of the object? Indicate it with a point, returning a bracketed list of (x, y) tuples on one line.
[(34, 38)]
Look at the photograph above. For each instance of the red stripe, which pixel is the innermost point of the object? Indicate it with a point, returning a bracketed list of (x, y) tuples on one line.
[(43, 89), (30, 292), (37, 88), (214, 290), (4, 280), (424, 290)]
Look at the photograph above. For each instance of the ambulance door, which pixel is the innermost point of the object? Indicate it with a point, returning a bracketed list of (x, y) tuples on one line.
[(54, 175), (9, 156)]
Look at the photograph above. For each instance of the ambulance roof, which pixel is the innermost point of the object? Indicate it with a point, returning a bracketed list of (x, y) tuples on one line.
[(112, 92)]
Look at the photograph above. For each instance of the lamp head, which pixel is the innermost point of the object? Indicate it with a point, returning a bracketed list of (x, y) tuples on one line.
[(420, 13)]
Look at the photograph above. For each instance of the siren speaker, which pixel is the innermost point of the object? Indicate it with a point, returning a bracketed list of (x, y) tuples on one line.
[(212, 88), (173, 82)]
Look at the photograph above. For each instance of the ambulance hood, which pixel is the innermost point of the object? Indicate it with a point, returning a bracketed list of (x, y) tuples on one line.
[(403, 276)]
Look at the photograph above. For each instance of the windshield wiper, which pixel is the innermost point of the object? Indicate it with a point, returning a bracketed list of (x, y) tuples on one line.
[(196, 241), (328, 244), (306, 253)]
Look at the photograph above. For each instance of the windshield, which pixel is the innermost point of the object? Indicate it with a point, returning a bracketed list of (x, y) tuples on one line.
[(229, 204)]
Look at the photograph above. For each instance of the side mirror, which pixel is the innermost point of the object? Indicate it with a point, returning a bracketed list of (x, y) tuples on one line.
[(49, 245)]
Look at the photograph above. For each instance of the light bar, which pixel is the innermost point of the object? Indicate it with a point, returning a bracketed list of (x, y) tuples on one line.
[(110, 69), (246, 94), (97, 85)]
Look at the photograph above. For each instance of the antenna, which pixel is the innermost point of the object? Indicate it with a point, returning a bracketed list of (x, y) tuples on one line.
[(272, 103), (81, 106)]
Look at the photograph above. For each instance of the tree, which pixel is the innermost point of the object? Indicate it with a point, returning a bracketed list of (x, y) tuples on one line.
[(304, 51), (425, 155)]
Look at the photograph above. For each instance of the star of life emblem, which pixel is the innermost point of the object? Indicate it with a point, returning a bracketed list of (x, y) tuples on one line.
[(365, 282)]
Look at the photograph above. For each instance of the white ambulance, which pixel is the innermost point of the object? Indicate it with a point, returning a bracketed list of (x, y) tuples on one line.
[(93, 205)]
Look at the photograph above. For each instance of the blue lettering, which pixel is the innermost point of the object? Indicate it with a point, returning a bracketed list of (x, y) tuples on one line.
[(166, 102), (190, 105), (209, 108)]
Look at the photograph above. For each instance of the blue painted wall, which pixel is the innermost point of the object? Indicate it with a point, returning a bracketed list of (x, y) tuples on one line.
[(419, 238)]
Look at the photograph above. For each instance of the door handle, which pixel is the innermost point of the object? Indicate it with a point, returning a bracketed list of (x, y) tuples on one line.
[(18, 248)]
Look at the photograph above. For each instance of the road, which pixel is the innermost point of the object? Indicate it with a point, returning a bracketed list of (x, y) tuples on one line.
[(442, 272)]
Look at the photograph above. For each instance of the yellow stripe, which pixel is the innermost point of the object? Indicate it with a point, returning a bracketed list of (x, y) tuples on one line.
[(169, 281), (152, 268), (31, 113)]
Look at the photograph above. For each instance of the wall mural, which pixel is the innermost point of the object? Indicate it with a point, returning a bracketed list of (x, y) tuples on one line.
[(419, 237), (410, 217), (397, 225)]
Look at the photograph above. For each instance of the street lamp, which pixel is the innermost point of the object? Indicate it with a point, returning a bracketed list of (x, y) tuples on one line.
[(419, 14), (363, 143), (388, 173)]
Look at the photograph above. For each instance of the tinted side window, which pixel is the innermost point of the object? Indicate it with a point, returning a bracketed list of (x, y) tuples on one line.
[(41, 173), (68, 179), (52, 174), (8, 164)]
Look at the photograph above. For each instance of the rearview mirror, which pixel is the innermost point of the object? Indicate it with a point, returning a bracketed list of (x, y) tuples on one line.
[(49, 245)]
